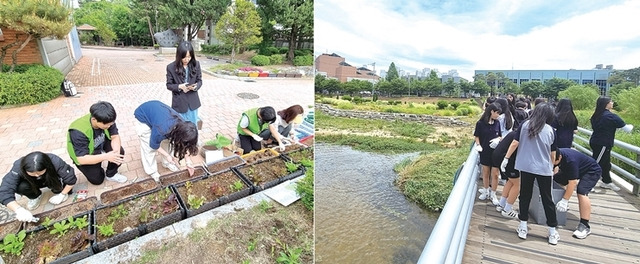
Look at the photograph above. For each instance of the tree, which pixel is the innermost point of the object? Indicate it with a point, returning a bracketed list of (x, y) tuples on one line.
[(297, 22), (33, 19), (628, 100), (555, 85), (621, 76), (480, 85), (392, 72), (616, 89), (582, 97), (192, 14), (239, 27), (97, 14), (532, 89), (465, 87), (449, 87), (385, 87)]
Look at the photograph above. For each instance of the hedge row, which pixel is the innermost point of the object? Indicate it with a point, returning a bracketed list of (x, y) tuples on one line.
[(30, 84)]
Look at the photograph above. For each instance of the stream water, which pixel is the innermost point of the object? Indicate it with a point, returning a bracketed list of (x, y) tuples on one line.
[(360, 215)]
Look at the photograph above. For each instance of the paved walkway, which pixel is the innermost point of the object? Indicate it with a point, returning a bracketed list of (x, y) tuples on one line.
[(126, 78)]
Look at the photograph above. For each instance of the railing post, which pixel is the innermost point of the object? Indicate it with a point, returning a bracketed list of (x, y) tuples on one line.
[(636, 187)]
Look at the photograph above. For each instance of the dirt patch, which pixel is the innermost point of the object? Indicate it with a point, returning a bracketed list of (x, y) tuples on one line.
[(225, 164), (291, 147), (250, 236), (181, 176), (257, 156), (11, 227), (265, 171), (125, 192)]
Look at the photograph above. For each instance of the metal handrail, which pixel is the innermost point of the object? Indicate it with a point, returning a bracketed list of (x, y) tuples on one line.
[(449, 235)]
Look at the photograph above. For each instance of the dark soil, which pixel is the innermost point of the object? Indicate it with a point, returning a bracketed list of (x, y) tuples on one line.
[(259, 155), (211, 188), (296, 156), (130, 190), (292, 147), (64, 245), (224, 164), (139, 210), (9, 228), (181, 176), (64, 212), (265, 171)]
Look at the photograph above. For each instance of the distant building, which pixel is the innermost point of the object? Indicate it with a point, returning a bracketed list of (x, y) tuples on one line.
[(598, 76), (334, 66)]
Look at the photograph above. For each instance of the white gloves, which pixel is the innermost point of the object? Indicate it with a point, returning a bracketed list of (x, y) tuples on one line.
[(627, 128), (503, 165), (285, 139), (494, 142), (562, 205), (23, 215), (256, 138), (281, 146), (478, 148), (58, 198)]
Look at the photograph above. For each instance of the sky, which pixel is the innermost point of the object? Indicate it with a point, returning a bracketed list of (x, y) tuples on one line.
[(480, 34)]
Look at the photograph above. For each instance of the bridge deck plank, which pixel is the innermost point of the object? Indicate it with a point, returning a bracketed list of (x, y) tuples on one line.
[(615, 236)]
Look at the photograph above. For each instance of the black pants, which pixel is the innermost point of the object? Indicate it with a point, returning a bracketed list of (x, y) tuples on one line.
[(248, 144), (94, 172), (526, 190), (24, 188), (602, 155), (266, 134)]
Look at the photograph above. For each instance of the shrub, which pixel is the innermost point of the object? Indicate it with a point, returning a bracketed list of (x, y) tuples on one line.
[(216, 49), (36, 84), (346, 97), (260, 60), (357, 99), (302, 52), (375, 97), (455, 105), (304, 188), (442, 104), (276, 59), (581, 96), (345, 106), (463, 111), (430, 107), (306, 60), (268, 51), (628, 100), (283, 50)]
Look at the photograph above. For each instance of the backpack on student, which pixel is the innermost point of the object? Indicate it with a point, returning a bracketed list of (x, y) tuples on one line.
[(68, 88)]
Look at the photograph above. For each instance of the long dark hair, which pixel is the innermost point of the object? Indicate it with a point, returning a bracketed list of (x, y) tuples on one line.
[(564, 113), (290, 113), (601, 105), (38, 161), (540, 115), (181, 52), (183, 138), (504, 108), (486, 116)]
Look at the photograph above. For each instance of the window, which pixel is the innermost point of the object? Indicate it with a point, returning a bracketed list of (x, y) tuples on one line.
[(587, 81)]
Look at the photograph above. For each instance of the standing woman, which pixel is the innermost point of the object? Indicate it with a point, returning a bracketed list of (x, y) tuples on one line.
[(565, 123), (487, 136), (157, 124), (184, 79), (30, 173), (535, 157), (604, 125)]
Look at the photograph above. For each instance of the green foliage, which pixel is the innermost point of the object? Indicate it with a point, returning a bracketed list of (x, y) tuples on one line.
[(581, 96), (252, 245), (237, 186), (78, 223), (260, 60), (268, 50), (291, 167), (60, 228), (392, 72), (290, 256), (442, 104), (195, 202), (117, 213), (144, 215), (629, 102), (455, 104), (303, 52), (346, 97), (264, 206), (306, 60), (13, 244), (307, 163), (463, 111), (304, 188), (276, 59), (239, 27), (378, 144), (37, 84), (47, 221), (106, 230), (191, 14), (283, 50), (217, 49)]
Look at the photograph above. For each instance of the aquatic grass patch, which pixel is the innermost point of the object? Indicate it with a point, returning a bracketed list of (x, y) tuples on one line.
[(378, 144), (428, 179), (396, 127)]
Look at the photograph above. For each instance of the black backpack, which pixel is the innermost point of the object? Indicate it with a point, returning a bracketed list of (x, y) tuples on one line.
[(68, 88)]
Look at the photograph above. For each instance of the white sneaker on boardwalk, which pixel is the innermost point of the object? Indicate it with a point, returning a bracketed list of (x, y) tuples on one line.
[(522, 232), (34, 203), (499, 208), (483, 194), (494, 199), (554, 237), (582, 231), (510, 214), (117, 178), (610, 185)]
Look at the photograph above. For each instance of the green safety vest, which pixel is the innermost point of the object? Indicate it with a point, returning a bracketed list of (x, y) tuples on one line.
[(254, 123), (83, 125)]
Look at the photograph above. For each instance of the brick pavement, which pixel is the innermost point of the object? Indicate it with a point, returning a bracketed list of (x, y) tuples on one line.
[(127, 78)]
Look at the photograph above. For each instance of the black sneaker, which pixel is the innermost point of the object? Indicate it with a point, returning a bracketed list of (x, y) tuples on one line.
[(582, 231)]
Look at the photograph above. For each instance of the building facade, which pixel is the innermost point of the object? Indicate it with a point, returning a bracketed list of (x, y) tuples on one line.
[(334, 66), (598, 76)]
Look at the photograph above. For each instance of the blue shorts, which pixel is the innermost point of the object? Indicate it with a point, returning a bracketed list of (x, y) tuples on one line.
[(587, 182)]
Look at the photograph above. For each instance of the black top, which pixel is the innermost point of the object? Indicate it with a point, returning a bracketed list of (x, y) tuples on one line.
[(486, 132), (575, 164), (564, 134), (80, 142), (604, 130), (180, 101), (11, 180)]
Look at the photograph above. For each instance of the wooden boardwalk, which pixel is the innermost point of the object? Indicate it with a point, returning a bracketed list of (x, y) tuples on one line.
[(615, 234)]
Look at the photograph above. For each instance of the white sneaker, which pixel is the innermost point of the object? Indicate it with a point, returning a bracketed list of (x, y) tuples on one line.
[(522, 232), (155, 176), (582, 231), (553, 238), (610, 185), (499, 208), (117, 178), (34, 203), (510, 214), (494, 199), (170, 166)]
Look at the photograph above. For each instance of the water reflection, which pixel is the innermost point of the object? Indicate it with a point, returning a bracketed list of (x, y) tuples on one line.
[(360, 216)]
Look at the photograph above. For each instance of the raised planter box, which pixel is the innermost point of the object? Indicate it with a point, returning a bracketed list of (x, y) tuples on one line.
[(75, 209), (181, 176), (212, 191), (259, 155), (11, 227), (268, 173), (137, 216), (273, 75), (303, 156), (74, 245), (290, 75), (243, 74), (127, 191), (254, 74), (226, 163), (263, 74), (282, 75)]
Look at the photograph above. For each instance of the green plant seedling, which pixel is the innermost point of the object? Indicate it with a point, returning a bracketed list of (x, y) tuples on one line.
[(237, 185), (188, 185), (252, 245), (291, 167), (60, 228), (195, 202), (307, 163), (79, 223), (264, 206), (246, 261), (290, 256), (106, 230), (13, 243), (47, 221), (144, 215)]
